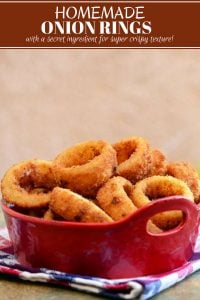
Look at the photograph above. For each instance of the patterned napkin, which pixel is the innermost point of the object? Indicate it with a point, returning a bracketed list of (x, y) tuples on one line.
[(132, 288)]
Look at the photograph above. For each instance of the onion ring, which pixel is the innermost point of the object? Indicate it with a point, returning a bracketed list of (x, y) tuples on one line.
[(113, 198), (159, 163), (50, 215), (134, 158), (186, 172), (85, 167), (73, 207), (152, 228), (29, 184), (156, 187)]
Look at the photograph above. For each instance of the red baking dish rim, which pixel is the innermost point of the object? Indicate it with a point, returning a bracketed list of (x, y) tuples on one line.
[(113, 225)]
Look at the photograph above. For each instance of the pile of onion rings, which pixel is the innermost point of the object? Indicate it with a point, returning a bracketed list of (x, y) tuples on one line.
[(96, 182)]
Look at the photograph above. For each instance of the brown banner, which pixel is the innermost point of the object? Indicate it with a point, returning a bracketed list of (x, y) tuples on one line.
[(95, 24)]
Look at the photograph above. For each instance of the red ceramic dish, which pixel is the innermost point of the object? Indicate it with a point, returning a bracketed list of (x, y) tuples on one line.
[(121, 249)]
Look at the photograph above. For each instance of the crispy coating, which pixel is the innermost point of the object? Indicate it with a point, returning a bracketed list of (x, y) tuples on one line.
[(29, 184), (85, 167), (186, 172), (73, 207), (152, 228), (113, 198), (134, 158), (50, 215), (158, 163), (59, 190), (156, 187)]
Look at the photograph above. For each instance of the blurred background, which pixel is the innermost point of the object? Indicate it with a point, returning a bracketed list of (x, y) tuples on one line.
[(53, 99)]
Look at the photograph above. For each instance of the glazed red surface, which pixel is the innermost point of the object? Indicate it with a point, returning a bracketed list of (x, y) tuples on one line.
[(121, 249)]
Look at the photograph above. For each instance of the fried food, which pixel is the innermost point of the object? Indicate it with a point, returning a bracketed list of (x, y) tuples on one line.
[(85, 167), (158, 163), (93, 182), (186, 172), (156, 187), (49, 215), (113, 198), (73, 207), (29, 184), (152, 228), (134, 158)]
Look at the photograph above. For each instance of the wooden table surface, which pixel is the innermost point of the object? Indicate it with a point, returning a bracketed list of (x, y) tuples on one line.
[(11, 289)]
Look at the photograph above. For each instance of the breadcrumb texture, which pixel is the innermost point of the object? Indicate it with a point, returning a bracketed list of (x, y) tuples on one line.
[(186, 172), (156, 187), (134, 158), (29, 184), (85, 167), (73, 207), (114, 198)]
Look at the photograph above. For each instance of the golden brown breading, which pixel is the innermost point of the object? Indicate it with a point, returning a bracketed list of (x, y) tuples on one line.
[(29, 184), (152, 228), (156, 187), (134, 158), (113, 198), (186, 172), (73, 207), (50, 215), (158, 164), (85, 167)]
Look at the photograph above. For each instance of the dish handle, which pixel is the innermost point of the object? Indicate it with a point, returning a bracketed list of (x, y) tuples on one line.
[(191, 214)]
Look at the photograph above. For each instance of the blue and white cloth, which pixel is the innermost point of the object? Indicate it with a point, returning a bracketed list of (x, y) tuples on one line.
[(139, 287)]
